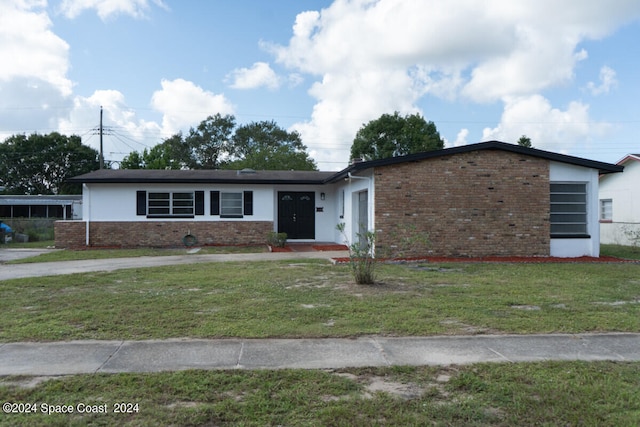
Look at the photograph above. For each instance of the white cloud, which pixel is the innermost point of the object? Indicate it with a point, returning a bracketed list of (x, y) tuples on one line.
[(377, 56), (106, 8), (34, 88), (184, 104), (341, 111), (124, 132), (461, 139), (607, 82), (549, 128), (259, 75), (29, 51)]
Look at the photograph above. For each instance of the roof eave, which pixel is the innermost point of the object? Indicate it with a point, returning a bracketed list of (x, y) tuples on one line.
[(195, 181), (603, 168)]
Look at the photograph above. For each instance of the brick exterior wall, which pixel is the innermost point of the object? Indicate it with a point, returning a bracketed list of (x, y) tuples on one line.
[(72, 234), (481, 203), (69, 234)]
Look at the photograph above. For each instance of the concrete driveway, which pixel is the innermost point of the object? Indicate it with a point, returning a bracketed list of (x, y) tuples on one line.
[(11, 254), (18, 271)]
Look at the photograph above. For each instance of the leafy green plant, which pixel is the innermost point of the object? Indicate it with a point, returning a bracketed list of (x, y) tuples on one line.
[(361, 255), (278, 240)]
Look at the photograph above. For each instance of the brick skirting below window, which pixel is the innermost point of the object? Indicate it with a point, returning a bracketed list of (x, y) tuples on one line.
[(72, 234)]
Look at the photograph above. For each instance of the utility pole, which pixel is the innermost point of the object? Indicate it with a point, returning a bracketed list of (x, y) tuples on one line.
[(101, 152)]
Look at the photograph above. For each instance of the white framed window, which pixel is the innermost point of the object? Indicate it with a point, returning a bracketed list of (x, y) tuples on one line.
[(227, 204), (231, 205), (606, 209), (568, 209), (163, 204)]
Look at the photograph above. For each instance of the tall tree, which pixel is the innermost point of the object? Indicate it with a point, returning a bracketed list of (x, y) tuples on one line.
[(266, 146), (172, 153), (40, 164), (525, 141), (394, 135), (209, 141), (214, 144)]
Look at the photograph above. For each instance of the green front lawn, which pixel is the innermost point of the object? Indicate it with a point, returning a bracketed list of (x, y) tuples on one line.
[(313, 298)]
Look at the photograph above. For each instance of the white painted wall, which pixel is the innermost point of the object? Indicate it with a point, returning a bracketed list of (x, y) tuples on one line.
[(569, 248), (624, 191), (117, 202), (351, 187)]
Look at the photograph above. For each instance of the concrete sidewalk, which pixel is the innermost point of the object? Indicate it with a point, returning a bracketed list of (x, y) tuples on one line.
[(39, 269), (86, 357)]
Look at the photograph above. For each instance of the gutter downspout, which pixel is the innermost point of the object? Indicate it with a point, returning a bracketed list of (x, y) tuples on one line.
[(85, 190)]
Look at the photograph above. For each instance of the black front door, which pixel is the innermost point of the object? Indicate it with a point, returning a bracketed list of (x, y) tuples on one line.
[(296, 214)]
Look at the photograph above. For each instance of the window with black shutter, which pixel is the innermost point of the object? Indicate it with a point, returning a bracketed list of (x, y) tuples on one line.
[(248, 202)]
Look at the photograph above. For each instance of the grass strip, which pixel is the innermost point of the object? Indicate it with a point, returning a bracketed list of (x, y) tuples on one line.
[(546, 393)]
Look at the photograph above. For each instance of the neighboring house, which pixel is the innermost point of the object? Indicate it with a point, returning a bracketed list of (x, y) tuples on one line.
[(41, 206), (486, 199), (620, 204)]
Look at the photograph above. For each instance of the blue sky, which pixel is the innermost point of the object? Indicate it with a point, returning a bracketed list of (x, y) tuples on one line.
[(563, 73)]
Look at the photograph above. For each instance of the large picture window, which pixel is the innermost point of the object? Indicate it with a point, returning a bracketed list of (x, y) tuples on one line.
[(165, 204), (568, 209)]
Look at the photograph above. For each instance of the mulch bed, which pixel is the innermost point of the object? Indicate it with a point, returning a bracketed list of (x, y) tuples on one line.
[(278, 249), (309, 248), (521, 260), (330, 248)]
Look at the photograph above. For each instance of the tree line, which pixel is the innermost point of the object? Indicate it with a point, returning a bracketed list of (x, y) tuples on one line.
[(40, 164), (216, 143)]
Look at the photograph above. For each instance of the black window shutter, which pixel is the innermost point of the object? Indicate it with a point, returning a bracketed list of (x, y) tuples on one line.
[(141, 202), (248, 202), (215, 203), (199, 202)]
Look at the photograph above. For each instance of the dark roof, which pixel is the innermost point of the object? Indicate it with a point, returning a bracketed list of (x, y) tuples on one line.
[(602, 167), (192, 176), (315, 177)]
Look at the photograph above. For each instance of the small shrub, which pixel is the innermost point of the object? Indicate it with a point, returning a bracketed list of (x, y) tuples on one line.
[(278, 240), (361, 257)]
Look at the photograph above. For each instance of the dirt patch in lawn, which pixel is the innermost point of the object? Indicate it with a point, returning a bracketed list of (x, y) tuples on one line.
[(396, 387)]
